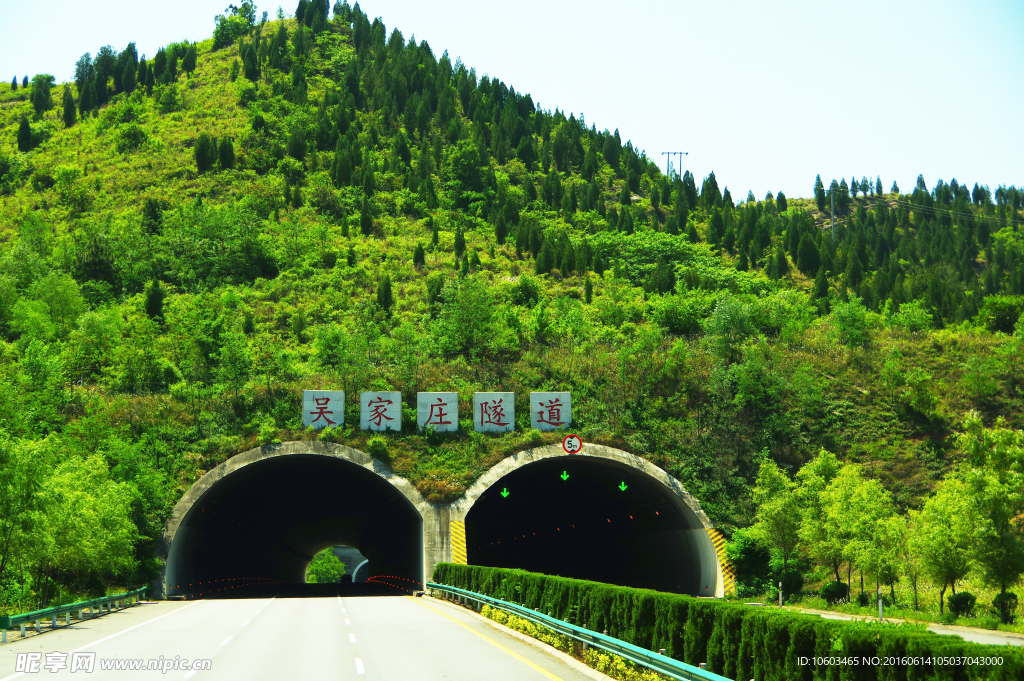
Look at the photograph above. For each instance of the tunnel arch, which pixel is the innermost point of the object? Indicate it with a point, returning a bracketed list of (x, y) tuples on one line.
[(280, 504), (656, 532)]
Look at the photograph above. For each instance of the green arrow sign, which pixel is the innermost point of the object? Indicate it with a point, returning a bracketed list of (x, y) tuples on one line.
[(504, 492), (564, 475), (623, 486)]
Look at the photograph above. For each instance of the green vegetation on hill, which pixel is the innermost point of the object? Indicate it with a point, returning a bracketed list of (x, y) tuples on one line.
[(191, 239)]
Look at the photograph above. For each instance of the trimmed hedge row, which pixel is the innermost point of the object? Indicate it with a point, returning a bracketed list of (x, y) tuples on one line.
[(739, 641)]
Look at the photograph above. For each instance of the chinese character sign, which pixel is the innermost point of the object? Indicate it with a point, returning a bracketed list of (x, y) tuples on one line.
[(550, 411), (322, 408), (493, 412), (439, 411), (380, 411)]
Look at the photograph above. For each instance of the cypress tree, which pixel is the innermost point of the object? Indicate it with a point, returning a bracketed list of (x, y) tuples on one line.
[(691, 234), (202, 150), (435, 235), (226, 152), (14, 83), (188, 64), (128, 77), (87, 99), (100, 88), (69, 107), (155, 300), (545, 260), (41, 97), (460, 242), (24, 81), (819, 193), (152, 216), (808, 259), (384, 298), (296, 197), (150, 81), (24, 135), (171, 71), (743, 265), (780, 201), (500, 229), (143, 69), (297, 146), (351, 258), (624, 196), (820, 285), (588, 290), (365, 219), (781, 263), (159, 63), (419, 256)]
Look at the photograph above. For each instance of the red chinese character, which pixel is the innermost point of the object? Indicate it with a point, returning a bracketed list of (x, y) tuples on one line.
[(492, 413), (554, 413), (379, 407), (437, 411), (321, 410)]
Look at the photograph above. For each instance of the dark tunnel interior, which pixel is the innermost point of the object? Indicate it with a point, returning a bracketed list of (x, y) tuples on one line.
[(259, 526), (586, 526)]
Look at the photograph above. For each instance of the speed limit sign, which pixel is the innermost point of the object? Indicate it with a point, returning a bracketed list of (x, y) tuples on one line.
[(572, 444)]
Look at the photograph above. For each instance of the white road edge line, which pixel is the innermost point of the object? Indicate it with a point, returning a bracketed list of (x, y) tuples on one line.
[(359, 666), (96, 643), (351, 638), (188, 675), (246, 622), (225, 641)]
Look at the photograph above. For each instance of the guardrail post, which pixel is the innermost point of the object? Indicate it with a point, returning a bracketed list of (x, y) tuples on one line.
[(39, 626), (23, 630), (4, 637), (67, 617), (53, 625), (80, 614)]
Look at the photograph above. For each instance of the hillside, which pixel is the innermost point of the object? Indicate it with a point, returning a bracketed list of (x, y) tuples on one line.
[(321, 203)]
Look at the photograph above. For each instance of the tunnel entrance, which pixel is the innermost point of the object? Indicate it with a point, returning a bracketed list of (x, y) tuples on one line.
[(259, 526), (592, 518)]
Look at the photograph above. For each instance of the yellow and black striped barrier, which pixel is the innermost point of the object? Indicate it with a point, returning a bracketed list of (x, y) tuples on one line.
[(728, 571), (458, 535)]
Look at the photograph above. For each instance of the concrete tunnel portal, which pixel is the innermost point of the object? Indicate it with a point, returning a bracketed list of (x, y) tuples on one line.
[(259, 522), (603, 514)]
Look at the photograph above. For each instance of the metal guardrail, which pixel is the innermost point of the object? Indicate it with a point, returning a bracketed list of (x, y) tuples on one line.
[(660, 663), (128, 598)]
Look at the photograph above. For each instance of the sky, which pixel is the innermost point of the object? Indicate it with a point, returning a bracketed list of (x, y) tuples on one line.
[(766, 95)]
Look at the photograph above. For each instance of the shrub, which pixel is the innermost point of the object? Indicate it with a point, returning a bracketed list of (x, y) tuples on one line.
[(736, 641), (962, 604), (1000, 313), (834, 592), (130, 137), (170, 100), (1006, 605), (377, 447)]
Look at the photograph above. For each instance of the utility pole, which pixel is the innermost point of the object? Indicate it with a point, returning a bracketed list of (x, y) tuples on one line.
[(670, 154), (832, 191)]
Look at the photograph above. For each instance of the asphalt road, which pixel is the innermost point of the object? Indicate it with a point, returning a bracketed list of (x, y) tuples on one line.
[(350, 638)]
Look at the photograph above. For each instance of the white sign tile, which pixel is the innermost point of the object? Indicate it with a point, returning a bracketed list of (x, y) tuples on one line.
[(550, 411), (322, 408), (380, 411), (494, 412), (439, 411)]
